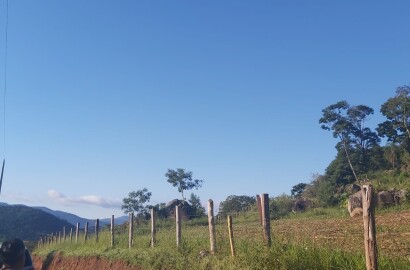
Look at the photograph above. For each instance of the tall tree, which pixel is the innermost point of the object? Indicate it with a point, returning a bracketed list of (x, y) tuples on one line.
[(182, 180), (362, 137), (397, 111), (335, 119), (135, 202), (348, 124)]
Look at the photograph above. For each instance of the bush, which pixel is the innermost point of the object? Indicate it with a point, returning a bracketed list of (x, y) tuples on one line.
[(280, 206)]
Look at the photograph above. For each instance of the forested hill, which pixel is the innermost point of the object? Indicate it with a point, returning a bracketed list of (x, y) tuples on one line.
[(28, 223)]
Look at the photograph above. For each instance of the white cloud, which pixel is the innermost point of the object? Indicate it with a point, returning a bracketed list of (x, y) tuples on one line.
[(88, 199)]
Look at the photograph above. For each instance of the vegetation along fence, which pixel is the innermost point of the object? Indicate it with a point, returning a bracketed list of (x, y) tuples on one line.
[(150, 233)]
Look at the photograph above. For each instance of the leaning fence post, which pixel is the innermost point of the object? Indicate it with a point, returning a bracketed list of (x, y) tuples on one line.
[(77, 232), (153, 229), (211, 225), (369, 225), (231, 241), (86, 231), (131, 229), (266, 218), (178, 224), (97, 229), (112, 230)]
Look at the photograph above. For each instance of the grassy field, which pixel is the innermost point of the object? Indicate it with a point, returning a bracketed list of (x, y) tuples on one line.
[(320, 239)]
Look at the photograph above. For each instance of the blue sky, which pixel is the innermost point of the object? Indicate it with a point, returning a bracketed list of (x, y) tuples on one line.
[(104, 96)]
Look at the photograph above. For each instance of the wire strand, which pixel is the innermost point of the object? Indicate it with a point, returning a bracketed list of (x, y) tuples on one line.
[(5, 80)]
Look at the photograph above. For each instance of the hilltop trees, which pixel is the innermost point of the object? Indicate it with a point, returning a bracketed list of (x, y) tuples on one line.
[(135, 202), (182, 180), (359, 157), (397, 111), (355, 139)]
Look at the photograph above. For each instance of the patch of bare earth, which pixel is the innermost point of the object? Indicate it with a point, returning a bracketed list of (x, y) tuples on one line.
[(58, 262), (392, 233)]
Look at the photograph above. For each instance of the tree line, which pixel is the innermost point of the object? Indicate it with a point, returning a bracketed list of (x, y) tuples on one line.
[(360, 156), (137, 201)]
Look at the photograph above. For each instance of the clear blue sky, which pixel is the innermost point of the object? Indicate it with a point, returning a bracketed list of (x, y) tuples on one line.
[(104, 96)]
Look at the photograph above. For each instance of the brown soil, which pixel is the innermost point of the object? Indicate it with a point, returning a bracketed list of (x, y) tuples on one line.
[(58, 262), (393, 237)]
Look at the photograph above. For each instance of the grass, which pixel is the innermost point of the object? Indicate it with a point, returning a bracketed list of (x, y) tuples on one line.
[(319, 239)]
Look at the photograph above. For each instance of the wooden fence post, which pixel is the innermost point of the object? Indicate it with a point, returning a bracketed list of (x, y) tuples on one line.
[(258, 200), (178, 224), (59, 237), (231, 241), (77, 231), (131, 229), (369, 225), (64, 235), (86, 231), (52, 238), (71, 234), (266, 218), (153, 225), (211, 225), (97, 229), (112, 230)]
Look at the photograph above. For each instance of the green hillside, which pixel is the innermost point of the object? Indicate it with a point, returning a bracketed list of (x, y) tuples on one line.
[(28, 223)]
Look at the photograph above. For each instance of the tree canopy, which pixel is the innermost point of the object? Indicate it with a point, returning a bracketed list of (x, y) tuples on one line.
[(195, 202), (348, 124), (236, 204), (182, 180), (298, 189), (135, 201), (397, 111)]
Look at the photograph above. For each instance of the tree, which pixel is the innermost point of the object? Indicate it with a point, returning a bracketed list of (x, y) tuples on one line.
[(297, 190), (397, 112), (195, 202), (392, 154), (182, 180), (348, 124), (321, 191), (135, 202), (236, 204)]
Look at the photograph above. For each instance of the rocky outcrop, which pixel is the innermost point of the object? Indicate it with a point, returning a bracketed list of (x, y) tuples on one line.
[(354, 204), (383, 199), (301, 204), (391, 197), (186, 209)]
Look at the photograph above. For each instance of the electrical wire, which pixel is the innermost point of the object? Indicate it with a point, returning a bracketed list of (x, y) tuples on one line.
[(5, 93), (5, 79)]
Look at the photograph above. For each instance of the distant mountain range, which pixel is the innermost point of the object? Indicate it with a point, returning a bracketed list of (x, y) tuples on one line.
[(73, 219), (29, 223)]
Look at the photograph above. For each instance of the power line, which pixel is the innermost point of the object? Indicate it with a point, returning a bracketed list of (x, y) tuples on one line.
[(5, 79), (5, 93)]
